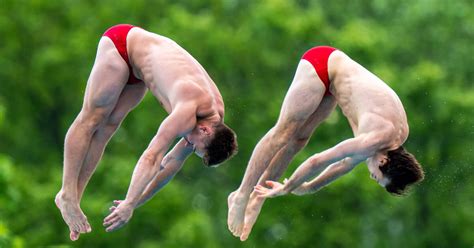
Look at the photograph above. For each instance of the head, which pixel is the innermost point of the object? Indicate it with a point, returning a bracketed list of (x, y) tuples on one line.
[(214, 144), (395, 170)]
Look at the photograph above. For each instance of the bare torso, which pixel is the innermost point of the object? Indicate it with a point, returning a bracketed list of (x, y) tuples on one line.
[(172, 74), (367, 102)]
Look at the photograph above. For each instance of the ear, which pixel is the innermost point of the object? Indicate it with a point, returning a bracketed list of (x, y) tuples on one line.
[(383, 160), (205, 130)]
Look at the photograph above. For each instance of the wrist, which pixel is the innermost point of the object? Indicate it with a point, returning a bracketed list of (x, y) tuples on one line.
[(286, 189), (129, 204), (303, 189)]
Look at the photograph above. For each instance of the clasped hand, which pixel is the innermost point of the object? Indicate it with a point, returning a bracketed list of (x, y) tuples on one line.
[(120, 214), (274, 189)]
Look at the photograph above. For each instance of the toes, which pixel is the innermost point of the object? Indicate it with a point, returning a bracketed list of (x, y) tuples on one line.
[(85, 227), (82, 225), (237, 231), (75, 228), (111, 221), (245, 233), (74, 236)]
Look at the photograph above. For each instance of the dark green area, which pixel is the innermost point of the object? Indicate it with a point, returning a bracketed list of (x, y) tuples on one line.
[(422, 49)]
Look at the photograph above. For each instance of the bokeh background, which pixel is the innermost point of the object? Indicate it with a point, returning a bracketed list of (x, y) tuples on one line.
[(423, 49)]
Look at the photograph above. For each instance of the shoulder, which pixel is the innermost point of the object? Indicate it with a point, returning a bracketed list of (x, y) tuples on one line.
[(190, 92), (377, 129)]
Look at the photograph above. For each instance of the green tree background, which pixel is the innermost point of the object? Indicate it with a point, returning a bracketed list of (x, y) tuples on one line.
[(423, 49)]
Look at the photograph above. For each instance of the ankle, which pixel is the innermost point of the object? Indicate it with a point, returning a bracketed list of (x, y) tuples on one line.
[(241, 196), (63, 196)]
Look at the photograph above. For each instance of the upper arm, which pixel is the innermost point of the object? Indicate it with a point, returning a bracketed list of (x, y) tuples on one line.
[(180, 122), (358, 148), (179, 153)]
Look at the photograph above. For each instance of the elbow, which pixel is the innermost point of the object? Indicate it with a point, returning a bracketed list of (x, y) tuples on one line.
[(149, 160), (314, 161), (283, 132)]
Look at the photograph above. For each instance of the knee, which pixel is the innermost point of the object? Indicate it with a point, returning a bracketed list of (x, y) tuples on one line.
[(314, 160), (299, 142), (114, 121), (284, 131), (92, 118)]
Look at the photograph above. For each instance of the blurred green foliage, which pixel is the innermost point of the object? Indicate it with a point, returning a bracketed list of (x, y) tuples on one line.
[(423, 49)]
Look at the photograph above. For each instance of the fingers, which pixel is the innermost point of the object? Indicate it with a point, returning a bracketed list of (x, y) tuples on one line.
[(116, 204), (111, 216), (111, 221), (285, 181), (270, 183), (115, 226), (259, 189), (263, 192)]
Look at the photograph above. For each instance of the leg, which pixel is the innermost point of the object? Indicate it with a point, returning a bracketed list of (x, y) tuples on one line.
[(281, 161), (105, 84), (129, 98), (302, 100)]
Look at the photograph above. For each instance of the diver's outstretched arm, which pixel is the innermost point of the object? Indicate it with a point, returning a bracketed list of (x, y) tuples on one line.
[(331, 173)]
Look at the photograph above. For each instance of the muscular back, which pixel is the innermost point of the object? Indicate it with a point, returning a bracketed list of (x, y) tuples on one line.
[(172, 74), (366, 100)]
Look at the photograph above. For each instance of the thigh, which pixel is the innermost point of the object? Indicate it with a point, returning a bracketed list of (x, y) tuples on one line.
[(107, 79), (303, 97), (325, 108), (131, 95)]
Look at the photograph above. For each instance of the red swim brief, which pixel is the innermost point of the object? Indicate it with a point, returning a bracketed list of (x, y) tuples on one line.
[(118, 35), (318, 57)]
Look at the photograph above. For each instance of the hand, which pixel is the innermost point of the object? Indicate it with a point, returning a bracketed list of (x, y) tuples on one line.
[(119, 216), (275, 189), (116, 204)]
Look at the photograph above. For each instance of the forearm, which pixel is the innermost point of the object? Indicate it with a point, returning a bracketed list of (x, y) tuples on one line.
[(303, 173), (358, 148), (143, 174), (171, 166), (331, 173)]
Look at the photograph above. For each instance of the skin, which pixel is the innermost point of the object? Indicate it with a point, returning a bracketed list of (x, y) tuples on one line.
[(182, 87), (375, 114)]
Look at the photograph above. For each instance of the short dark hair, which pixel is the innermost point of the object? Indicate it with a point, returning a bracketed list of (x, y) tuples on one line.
[(402, 170), (222, 146)]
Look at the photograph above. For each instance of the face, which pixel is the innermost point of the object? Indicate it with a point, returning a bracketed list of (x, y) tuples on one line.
[(198, 138), (374, 163)]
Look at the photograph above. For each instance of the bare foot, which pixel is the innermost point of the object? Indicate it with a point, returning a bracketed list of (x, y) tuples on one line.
[(251, 213), (73, 216), (236, 214)]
